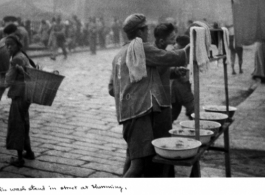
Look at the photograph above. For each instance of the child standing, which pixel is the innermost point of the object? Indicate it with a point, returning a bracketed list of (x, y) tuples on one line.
[(18, 121)]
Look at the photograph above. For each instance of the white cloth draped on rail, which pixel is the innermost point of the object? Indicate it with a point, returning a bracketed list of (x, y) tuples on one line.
[(225, 38), (200, 43)]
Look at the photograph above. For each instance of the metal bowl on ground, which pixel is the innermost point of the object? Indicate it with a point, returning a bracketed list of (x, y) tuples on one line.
[(220, 109), (176, 147), (209, 125), (212, 116), (205, 135)]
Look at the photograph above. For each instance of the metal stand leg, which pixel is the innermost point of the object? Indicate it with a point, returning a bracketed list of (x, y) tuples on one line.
[(195, 171), (227, 153), (226, 133)]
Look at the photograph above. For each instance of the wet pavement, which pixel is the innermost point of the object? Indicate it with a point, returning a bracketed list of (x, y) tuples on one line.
[(78, 136)]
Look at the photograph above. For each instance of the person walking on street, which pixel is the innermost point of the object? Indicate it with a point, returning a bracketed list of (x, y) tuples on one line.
[(58, 38), (235, 50), (101, 33), (115, 27), (77, 26), (93, 36), (44, 32)]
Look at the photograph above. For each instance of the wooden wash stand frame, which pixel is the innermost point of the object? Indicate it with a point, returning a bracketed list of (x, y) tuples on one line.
[(195, 161)]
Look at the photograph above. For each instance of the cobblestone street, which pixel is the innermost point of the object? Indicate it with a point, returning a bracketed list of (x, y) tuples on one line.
[(78, 136)]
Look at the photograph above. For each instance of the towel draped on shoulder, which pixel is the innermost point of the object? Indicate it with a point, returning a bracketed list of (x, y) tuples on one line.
[(136, 61)]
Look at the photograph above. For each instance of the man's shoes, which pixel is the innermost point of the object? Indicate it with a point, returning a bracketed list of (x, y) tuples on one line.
[(17, 162), (234, 73), (29, 155)]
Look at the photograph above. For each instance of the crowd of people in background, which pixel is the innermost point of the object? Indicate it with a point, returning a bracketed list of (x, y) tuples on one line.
[(76, 33), (67, 34), (97, 32)]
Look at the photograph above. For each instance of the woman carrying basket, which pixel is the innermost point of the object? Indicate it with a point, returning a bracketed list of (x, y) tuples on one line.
[(18, 121)]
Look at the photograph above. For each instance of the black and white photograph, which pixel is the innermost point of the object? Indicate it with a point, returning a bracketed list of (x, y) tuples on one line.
[(132, 96)]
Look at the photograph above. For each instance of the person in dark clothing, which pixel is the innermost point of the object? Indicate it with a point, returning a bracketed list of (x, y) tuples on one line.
[(165, 36), (18, 121), (28, 28), (78, 34), (58, 31), (85, 35), (44, 31), (93, 36), (235, 50), (101, 33), (181, 93), (4, 55), (139, 94), (116, 32)]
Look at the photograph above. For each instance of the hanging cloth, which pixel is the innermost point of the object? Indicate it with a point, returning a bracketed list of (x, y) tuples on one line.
[(135, 60), (226, 45), (200, 48)]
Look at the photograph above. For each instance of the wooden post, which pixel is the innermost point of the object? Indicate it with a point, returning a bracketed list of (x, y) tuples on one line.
[(196, 172), (196, 99), (196, 83), (227, 153), (225, 76), (226, 132)]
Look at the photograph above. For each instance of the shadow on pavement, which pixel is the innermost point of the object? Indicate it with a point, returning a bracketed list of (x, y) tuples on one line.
[(239, 97), (249, 163)]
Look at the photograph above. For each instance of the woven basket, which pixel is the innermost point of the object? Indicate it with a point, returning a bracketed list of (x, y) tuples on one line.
[(41, 87)]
